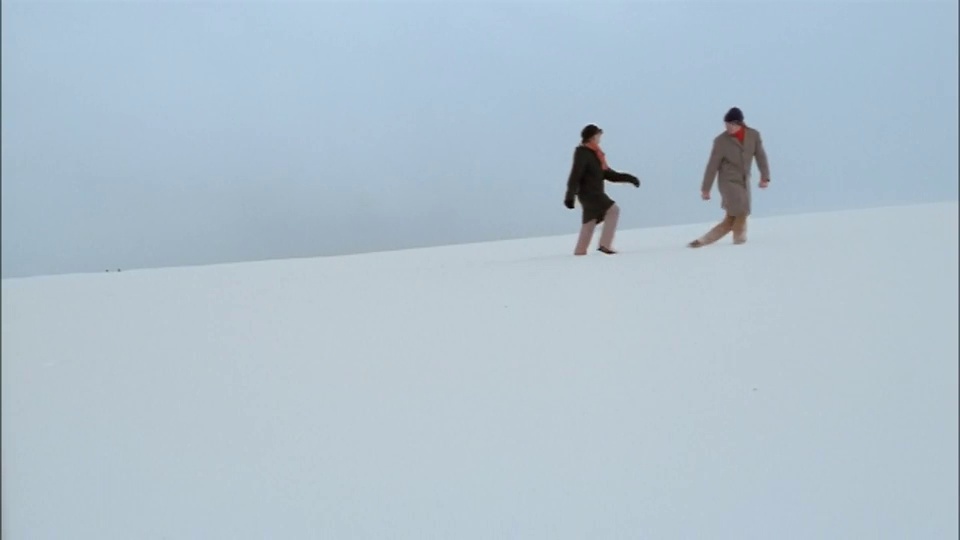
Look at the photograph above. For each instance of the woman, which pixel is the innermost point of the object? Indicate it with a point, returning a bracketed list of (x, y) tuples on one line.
[(586, 182), (731, 160)]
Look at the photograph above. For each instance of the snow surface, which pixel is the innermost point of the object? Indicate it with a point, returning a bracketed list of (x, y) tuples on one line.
[(804, 385)]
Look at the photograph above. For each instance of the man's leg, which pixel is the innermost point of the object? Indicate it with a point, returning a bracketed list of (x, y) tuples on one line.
[(609, 227), (586, 235), (716, 233), (740, 230)]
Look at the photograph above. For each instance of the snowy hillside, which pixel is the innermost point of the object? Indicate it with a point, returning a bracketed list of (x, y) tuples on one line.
[(802, 386)]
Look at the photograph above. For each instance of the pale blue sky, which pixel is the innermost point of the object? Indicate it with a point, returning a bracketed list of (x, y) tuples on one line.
[(144, 134)]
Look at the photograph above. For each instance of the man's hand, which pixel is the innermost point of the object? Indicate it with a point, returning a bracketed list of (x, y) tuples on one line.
[(764, 183), (705, 195), (568, 202)]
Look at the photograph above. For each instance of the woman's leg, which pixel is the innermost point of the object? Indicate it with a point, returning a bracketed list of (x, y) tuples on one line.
[(586, 235), (609, 227)]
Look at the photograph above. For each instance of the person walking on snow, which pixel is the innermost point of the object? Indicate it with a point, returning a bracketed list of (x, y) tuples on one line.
[(586, 183), (731, 160)]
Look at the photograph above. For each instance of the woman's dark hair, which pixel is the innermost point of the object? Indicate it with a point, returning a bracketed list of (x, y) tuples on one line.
[(589, 131)]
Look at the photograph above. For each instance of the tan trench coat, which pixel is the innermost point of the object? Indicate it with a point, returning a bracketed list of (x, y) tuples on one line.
[(730, 164)]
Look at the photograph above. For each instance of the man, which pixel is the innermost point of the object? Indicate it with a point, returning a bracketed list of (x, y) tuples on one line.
[(730, 163), (586, 182)]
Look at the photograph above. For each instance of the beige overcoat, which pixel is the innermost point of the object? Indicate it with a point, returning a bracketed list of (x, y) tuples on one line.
[(730, 164)]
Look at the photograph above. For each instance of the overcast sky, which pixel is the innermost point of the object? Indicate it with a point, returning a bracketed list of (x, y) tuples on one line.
[(163, 133)]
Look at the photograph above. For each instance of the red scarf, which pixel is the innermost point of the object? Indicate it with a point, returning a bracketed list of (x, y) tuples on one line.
[(596, 148), (740, 135)]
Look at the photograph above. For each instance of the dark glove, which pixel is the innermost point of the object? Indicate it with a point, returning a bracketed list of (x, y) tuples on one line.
[(568, 202), (633, 180)]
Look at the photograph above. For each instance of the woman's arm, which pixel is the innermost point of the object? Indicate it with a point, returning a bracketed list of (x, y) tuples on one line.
[(620, 177), (576, 173)]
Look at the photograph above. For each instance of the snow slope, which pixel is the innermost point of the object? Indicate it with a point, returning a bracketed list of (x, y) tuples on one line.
[(802, 386)]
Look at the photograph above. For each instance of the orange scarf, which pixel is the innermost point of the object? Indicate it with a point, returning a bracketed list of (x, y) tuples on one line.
[(596, 148)]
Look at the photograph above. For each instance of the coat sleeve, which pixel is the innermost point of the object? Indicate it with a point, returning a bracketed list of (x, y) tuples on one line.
[(576, 173), (615, 176), (762, 162), (713, 167)]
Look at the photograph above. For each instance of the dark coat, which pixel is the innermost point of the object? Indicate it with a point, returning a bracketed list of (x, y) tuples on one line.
[(586, 183), (730, 164)]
